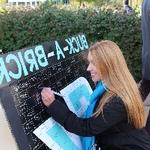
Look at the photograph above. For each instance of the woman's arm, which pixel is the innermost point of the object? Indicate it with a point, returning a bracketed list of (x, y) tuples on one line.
[(113, 113)]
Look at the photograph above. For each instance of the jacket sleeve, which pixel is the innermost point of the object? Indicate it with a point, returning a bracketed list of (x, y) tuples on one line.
[(113, 113)]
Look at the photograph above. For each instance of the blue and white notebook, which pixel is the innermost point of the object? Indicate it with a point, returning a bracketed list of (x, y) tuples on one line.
[(76, 96)]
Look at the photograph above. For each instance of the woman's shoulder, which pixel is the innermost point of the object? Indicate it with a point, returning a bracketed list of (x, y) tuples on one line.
[(115, 101), (114, 109)]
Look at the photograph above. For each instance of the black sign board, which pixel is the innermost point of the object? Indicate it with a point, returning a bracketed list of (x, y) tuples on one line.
[(23, 72)]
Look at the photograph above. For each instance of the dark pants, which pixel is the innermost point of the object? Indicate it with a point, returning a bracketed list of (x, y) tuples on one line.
[(148, 124), (145, 90)]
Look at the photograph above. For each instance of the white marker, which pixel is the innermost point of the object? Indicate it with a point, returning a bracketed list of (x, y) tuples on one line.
[(56, 93)]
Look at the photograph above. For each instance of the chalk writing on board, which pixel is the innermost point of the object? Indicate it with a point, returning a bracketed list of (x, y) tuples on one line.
[(54, 135)]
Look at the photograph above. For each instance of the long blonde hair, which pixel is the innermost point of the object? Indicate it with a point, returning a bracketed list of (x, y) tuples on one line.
[(113, 70)]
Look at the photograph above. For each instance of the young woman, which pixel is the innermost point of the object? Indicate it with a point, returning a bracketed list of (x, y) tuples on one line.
[(117, 122)]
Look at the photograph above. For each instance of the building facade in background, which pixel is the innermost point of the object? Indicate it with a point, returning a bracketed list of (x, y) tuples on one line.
[(35, 2)]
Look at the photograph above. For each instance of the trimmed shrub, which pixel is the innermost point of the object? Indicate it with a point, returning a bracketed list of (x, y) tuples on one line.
[(24, 28)]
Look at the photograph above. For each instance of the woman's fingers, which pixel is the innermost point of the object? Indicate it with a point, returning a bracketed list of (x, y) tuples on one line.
[(47, 96)]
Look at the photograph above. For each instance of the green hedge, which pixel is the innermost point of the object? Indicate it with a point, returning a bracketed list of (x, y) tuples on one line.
[(19, 29)]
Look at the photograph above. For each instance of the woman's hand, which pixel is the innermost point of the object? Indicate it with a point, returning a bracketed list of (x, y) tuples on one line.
[(47, 96)]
